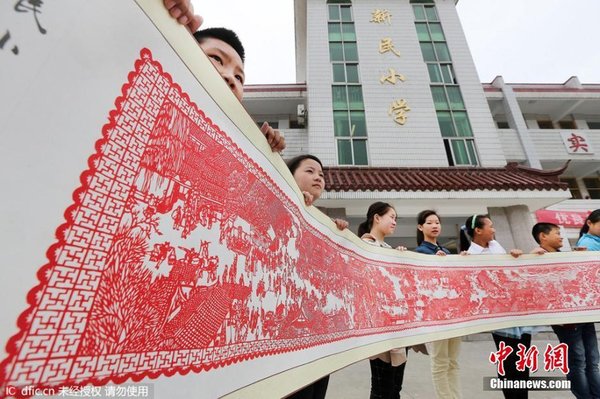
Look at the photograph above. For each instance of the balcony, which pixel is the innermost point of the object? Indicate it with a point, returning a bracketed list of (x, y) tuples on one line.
[(551, 150)]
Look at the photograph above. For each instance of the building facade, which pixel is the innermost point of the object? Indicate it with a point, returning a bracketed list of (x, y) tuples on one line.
[(388, 97)]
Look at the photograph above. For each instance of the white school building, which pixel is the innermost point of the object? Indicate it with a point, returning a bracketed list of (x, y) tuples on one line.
[(388, 97)]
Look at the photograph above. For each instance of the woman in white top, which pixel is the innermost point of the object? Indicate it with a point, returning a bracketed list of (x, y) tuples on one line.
[(387, 369), (308, 173), (481, 230)]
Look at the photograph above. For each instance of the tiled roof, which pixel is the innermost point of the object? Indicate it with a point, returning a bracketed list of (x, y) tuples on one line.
[(511, 177)]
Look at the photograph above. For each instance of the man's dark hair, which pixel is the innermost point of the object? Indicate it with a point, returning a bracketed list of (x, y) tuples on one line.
[(224, 34), (540, 228)]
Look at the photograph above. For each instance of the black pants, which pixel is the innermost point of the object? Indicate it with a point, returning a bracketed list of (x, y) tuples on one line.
[(386, 380), (510, 364), (316, 390)]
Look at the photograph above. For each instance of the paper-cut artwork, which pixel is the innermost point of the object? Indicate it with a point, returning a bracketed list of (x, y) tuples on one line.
[(182, 254)]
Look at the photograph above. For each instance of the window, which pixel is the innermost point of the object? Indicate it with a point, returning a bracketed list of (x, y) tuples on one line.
[(345, 73), (448, 73), (273, 124), (592, 184), (435, 52), (349, 122), (447, 98), (502, 125), (573, 186), (295, 124), (352, 152), (461, 152), (545, 124), (593, 125), (567, 124)]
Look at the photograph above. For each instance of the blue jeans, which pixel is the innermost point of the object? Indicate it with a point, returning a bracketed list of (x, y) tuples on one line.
[(583, 358)]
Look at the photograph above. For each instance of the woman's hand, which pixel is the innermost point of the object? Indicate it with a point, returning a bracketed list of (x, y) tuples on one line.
[(341, 224), (440, 253), (538, 251), (308, 198), (515, 253)]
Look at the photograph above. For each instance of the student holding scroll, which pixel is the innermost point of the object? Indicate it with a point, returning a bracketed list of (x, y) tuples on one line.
[(308, 174), (480, 229), (581, 338), (387, 369), (589, 235), (443, 353)]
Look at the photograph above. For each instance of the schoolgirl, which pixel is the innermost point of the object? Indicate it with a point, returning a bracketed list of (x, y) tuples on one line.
[(443, 353), (387, 369), (589, 235), (480, 229)]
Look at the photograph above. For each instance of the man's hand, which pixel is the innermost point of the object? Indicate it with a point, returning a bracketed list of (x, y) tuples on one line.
[(183, 12), (274, 137)]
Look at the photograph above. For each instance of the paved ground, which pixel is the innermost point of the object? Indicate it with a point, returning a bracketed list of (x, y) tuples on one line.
[(353, 382)]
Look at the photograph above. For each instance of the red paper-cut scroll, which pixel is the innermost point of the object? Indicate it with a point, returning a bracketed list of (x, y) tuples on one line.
[(180, 253)]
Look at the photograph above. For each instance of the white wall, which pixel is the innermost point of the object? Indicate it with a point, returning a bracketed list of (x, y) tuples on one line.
[(418, 143), (318, 79)]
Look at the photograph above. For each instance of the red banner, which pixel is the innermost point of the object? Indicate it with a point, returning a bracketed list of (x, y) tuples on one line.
[(562, 218)]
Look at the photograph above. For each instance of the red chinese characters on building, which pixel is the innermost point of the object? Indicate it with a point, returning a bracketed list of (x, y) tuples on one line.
[(577, 143), (563, 218)]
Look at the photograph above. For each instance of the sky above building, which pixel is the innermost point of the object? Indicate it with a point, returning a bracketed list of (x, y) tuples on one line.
[(525, 41)]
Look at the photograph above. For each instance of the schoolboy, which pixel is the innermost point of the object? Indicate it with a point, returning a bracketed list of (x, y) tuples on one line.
[(580, 338), (547, 235), (226, 52)]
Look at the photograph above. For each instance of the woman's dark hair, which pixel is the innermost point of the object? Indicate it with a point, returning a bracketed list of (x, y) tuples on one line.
[(421, 218), (295, 162), (467, 231), (593, 217), (377, 208)]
